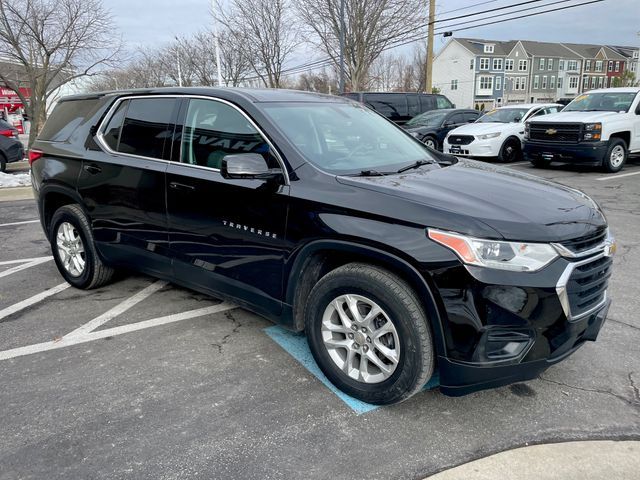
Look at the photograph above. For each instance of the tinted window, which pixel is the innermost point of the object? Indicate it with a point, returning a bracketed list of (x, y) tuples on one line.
[(65, 118), (413, 103), (388, 104), (213, 130), (111, 133), (457, 119), (471, 117), (147, 125), (442, 102), (427, 102)]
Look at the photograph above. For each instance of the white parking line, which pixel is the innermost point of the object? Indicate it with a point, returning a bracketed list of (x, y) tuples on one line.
[(118, 309), (18, 223), (614, 177), (30, 263), (21, 260), (16, 307), (67, 341)]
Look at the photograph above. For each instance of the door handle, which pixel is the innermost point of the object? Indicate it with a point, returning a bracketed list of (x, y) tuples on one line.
[(92, 168), (181, 186)]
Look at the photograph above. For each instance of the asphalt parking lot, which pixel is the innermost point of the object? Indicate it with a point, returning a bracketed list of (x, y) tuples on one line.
[(141, 379)]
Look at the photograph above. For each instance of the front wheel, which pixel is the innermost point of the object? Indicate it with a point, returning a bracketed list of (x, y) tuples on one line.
[(510, 151), (74, 251), (431, 142), (369, 334), (616, 156)]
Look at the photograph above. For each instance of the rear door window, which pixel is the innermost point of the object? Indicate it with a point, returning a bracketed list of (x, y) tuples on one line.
[(442, 102), (471, 117), (413, 102), (457, 119), (111, 133), (427, 102), (147, 127), (392, 106)]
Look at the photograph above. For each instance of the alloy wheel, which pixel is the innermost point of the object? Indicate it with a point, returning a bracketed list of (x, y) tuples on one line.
[(70, 249), (617, 156)]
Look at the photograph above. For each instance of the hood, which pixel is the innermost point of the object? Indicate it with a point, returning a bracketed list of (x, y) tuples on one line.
[(516, 206), (577, 117), (483, 128)]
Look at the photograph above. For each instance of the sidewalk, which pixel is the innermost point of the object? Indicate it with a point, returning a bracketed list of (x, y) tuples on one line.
[(16, 193), (589, 460)]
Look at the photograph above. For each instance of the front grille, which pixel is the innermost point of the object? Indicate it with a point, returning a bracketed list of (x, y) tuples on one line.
[(461, 139), (587, 242), (555, 132), (587, 285)]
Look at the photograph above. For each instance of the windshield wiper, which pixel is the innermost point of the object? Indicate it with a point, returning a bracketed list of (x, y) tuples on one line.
[(368, 173), (417, 164)]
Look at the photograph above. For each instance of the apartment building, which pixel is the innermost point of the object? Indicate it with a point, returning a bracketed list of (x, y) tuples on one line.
[(484, 74)]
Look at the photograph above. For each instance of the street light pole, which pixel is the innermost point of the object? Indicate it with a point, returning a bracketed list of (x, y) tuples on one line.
[(341, 46), (216, 40)]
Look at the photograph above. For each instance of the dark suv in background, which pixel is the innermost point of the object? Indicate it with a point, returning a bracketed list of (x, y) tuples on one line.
[(319, 214), (431, 128), (401, 107)]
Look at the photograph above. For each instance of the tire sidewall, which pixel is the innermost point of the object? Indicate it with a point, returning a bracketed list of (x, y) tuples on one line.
[(403, 377), (607, 159), (67, 215), (433, 139), (503, 151)]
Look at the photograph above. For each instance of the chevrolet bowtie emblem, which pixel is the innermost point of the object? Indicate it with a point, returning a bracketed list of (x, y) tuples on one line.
[(551, 131)]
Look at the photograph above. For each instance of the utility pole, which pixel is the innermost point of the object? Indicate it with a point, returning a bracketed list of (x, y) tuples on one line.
[(216, 40), (178, 59), (428, 80), (341, 46)]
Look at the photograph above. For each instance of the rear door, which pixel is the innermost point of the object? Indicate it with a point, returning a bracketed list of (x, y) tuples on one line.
[(123, 187), (225, 235)]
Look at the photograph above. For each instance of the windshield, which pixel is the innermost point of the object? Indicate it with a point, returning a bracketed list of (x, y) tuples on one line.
[(429, 119), (503, 115), (346, 138), (601, 102)]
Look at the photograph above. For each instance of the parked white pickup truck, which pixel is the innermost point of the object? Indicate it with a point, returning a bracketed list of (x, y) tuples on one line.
[(600, 127)]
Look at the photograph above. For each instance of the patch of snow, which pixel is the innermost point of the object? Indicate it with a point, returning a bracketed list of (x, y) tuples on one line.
[(14, 180)]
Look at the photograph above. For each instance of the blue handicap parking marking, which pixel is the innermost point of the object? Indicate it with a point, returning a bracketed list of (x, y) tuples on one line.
[(295, 344)]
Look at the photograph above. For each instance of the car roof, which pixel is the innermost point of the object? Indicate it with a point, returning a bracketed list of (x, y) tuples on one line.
[(529, 105), (449, 110), (254, 95), (616, 89)]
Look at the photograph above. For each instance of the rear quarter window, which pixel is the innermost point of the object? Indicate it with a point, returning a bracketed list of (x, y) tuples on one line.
[(65, 118), (388, 104)]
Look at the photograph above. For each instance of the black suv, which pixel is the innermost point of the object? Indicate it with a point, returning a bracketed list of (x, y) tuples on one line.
[(401, 107), (432, 127), (321, 215)]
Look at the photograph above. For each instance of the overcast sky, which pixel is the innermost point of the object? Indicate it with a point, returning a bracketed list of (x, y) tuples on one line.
[(148, 23)]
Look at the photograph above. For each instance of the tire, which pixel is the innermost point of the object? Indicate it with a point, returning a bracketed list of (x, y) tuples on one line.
[(407, 338), (511, 151), (70, 232), (3, 163), (540, 163), (616, 156), (430, 142)]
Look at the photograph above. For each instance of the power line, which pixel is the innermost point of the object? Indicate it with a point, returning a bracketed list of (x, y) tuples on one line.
[(470, 6)]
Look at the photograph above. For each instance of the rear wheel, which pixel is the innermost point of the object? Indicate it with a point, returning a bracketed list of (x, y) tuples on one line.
[(510, 151), (430, 142), (369, 334), (74, 251), (616, 156)]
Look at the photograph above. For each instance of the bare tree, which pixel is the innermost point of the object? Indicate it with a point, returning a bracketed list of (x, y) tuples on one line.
[(144, 70), (370, 27), (265, 31), (52, 42), (317, 82)]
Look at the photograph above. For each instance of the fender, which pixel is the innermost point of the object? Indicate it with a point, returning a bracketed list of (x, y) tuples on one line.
[(59, 188), (409, 271)]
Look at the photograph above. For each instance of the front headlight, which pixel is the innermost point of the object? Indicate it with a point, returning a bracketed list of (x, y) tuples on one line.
[(487, 136), (592, 132), (514, 256)]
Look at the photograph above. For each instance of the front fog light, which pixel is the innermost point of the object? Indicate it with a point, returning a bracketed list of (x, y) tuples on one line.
[(514, 256)]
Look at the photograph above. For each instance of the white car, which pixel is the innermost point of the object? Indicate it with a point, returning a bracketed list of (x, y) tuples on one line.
[(497, 134), (600, 128)]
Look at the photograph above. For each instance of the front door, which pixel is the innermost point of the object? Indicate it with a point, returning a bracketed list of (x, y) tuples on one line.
[(123, 187), (225, 235)]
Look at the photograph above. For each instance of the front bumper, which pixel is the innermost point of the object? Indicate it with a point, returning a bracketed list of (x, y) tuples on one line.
[(476, 149), (591, 153)]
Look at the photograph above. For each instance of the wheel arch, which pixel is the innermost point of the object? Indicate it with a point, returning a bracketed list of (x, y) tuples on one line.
[(318, 258), (51, 198), (625, 136)]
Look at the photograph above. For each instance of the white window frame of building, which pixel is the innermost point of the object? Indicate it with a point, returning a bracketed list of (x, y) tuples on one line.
[(560, 65), (598, 65), (536, 82), (541, 66), (471, 64), (552, 82), (585, 83), (454, 84), (559, 83), (573, 82), (544, 82), (516, 83), (587, 66), (484, 63), (497, 83), (508, 65), (594, 82), (550, 64), (600, 82), (617, 66), (610, 68), (636, 54), (523, 83), (486, 83), (572, 65), (488, 48), (632, 66), (522, 65), (497, 64)]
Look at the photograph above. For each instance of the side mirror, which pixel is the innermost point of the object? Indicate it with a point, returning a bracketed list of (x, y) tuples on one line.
[(247, 166), (517, 119)]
